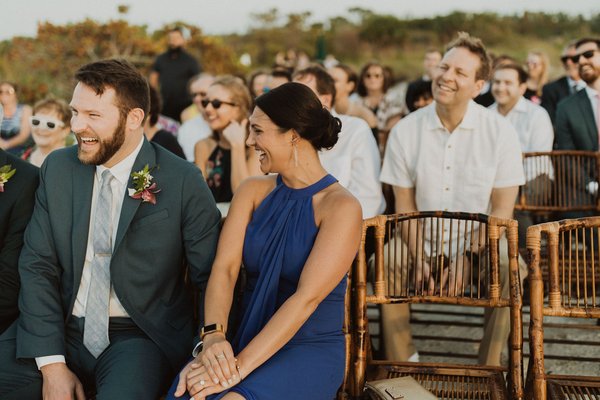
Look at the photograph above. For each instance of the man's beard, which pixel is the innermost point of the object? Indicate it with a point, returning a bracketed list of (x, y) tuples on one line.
[(589, 77), (108, 148)]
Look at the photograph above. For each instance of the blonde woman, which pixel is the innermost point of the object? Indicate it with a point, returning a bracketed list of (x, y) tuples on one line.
[(224, 159), (537, 69)]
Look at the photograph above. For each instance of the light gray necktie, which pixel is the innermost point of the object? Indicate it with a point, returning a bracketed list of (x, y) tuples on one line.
[(95, 332)]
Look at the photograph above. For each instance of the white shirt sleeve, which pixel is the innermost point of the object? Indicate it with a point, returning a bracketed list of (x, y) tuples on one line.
[(364, 182), (46, 360), (509, 171), (542, 132), (395, 170)]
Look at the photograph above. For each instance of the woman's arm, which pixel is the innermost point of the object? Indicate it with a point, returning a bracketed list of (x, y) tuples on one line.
[(223, 277), (202, 150), (333, 251), (24, 133), (242, 166)]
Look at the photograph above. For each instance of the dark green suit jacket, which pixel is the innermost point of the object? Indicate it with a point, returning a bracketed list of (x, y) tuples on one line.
[(16, 206), (150, 249), (575, 125)]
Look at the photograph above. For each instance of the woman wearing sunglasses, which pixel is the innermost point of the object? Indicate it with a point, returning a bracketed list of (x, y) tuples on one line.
[(224, 159), (50, 128), (296, 231), (372, 92), (15, 130)]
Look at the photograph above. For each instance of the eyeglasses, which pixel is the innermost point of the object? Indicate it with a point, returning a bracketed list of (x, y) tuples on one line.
[(201, 94), (375, 76), (46, 122), (216, 103), (575, 59), (8, 91)]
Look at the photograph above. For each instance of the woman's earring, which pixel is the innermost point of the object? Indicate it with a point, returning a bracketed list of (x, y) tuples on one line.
[(295, 153)]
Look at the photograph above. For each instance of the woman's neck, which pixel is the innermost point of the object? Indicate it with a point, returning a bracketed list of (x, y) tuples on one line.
[(308, 171), (9, 109)]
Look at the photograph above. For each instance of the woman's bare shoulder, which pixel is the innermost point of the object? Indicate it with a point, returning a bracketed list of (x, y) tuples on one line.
[(338, 202)]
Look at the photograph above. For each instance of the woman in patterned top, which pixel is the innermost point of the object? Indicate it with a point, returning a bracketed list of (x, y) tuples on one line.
[(224, 159)]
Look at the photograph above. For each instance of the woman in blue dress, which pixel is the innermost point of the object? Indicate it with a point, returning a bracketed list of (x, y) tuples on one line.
[(296, 232)]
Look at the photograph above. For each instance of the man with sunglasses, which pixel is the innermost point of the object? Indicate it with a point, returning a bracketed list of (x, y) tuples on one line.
[(555, 91), (577, 126), (196, 128), (17, 196)]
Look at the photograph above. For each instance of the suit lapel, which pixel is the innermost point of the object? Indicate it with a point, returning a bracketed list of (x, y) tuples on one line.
[(565, 90), (588, 116), (130, 205), (83, 185)]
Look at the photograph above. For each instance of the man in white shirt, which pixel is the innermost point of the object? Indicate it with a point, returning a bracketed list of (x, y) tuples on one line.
[(533, 126), (196, 128), (454, 155), (105, 307), (354, 160)]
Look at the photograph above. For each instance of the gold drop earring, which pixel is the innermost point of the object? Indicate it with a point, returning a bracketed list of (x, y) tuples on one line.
[(295, 148)]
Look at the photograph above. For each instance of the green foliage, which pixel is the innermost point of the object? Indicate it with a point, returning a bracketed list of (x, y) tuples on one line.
[(45, 64)]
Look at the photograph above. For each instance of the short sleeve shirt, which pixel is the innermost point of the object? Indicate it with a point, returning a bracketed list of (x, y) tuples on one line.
[(453, 171)]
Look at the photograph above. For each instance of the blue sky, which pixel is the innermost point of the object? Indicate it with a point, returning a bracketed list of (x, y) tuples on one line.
[(223, 16)]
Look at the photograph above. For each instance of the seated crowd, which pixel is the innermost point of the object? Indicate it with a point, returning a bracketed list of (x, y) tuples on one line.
[(104, 199)]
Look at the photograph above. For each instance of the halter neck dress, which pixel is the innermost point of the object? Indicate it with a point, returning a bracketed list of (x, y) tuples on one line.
[(278, 241)]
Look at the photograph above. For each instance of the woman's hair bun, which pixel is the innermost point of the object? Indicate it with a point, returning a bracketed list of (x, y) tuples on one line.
[(331, 128)]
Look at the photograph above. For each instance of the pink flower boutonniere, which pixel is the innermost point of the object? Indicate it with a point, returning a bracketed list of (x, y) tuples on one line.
[(143, 187), (6, 172)]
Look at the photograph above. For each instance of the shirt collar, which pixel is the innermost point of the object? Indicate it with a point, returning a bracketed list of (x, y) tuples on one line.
[(592, 93), (468, 122), (580, 84), (122, 169)]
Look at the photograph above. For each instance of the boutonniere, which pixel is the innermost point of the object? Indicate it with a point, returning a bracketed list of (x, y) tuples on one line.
[(5, 174), (143, 187)]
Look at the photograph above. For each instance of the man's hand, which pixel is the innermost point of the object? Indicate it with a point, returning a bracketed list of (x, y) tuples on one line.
[(60, 383)]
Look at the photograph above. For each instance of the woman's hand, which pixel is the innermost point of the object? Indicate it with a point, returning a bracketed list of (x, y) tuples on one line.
[(218, 359), (199, 384), (235, 133)]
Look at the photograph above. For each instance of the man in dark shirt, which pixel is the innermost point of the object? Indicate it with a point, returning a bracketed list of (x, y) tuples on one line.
[(171, 72)]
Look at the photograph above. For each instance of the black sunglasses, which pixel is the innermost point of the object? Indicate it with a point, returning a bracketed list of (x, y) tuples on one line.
[(575, 59), (216, 103)]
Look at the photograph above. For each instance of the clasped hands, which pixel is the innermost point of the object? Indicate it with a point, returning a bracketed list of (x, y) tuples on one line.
[(212, 371)]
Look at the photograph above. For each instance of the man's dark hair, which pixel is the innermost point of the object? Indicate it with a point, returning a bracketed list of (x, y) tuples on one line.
[(281, 72), (351, 75), (155, 107), (131, 88), (325, 83), (475, 46), (521, 73), (583, 41)]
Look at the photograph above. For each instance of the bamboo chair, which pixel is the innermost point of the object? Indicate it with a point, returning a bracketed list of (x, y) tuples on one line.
[(573, 252), (557, 181), (452, 236)]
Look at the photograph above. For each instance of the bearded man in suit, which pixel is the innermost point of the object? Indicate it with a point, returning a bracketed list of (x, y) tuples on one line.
[(105, 307)]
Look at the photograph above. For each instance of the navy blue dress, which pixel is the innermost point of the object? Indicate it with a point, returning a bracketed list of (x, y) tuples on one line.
[(278, 240)]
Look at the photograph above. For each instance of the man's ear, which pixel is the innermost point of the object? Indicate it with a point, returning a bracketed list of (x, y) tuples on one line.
[(135, 118), (326, 100), (478, 86)]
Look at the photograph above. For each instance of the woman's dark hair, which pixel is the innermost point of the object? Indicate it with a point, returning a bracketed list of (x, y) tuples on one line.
[(295, 106), (387, 78)]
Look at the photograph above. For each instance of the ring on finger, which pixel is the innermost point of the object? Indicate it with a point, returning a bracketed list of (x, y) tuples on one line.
[(202, 382), (220, 356)]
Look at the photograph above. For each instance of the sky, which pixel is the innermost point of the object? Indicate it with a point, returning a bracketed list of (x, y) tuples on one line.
[(20, 17)]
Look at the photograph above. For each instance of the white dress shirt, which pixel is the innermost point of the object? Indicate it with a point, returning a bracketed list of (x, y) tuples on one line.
[(121, 172), (536, 133), (453, 171), (593, 96), (354, 161), (190, 133)]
